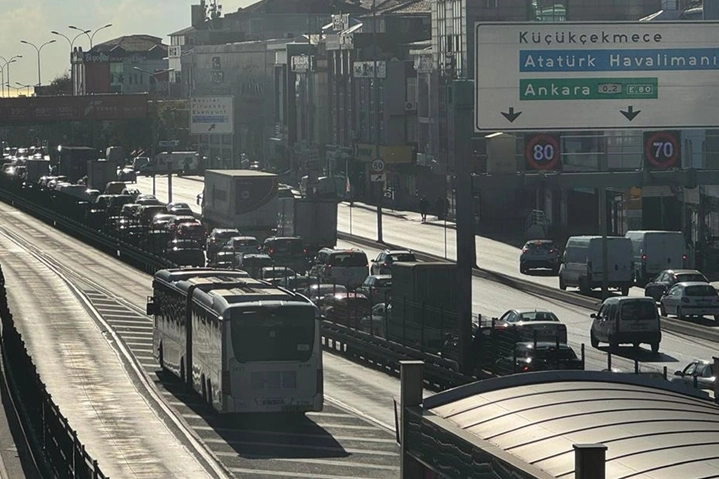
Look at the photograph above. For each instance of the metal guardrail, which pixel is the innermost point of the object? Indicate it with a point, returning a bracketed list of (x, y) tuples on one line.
[(53, 441)]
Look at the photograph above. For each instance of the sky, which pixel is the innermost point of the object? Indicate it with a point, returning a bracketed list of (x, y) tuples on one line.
[(33, 20)]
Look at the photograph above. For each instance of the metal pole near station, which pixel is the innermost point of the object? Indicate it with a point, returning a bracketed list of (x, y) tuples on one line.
[(377, 142), (604, 166)]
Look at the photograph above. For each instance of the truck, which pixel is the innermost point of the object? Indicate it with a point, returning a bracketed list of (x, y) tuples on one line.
[(242, 199), (162, 163), (423, 304), (36, 168), (115, 155), (71, 161), (312, 219), (100, 173)]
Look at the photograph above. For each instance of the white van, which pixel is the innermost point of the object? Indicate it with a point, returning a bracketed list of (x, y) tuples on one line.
[(348, 267), (626, 321), (655, 251), (582, 263)]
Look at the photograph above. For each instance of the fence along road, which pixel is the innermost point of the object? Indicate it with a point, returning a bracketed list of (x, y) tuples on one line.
[(352, 437)]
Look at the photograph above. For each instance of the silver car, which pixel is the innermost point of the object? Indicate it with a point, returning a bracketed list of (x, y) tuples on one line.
[(690, 298), (541, 253)]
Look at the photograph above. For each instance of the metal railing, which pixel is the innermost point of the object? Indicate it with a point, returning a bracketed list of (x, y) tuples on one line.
[(54, 442)]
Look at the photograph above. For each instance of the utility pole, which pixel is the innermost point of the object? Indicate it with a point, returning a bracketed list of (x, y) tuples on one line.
[(375, 87)]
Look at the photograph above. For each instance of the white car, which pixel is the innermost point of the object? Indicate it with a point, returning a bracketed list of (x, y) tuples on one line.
[(690, 298)]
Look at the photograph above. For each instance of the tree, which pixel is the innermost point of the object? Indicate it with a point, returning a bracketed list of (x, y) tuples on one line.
[(60, 85)]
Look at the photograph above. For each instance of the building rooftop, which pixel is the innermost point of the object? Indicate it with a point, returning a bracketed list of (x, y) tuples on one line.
[(184, 31), (304, 6), (652, 428), (130, 43)]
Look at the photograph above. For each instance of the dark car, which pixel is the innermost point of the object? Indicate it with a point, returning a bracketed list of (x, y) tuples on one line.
[(252, 263), (346, 308), (186, 252), (515, 316), (222, 259), (317, 291), (179, 209), (287, 251), (382, 264), (541, 253), (664, 281), (699, 374), (127, 173), (193, 231), (217, 238), (377, 287), (155, 242), (539, 356)]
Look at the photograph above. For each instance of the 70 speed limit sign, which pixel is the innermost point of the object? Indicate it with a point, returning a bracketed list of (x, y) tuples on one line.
[(662, 150)]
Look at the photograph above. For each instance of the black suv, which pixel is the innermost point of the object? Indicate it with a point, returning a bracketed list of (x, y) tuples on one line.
[(287, 251), (539, 356)]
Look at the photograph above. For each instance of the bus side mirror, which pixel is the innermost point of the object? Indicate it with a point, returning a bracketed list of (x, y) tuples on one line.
[(150, 307)]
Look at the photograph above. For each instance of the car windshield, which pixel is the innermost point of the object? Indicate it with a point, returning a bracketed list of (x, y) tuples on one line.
[(407, 257), (538, 316), (283, 333), (277, 273), (287, 246), (554, 354), (682, 278), (639, 310), (700, 290), (383, 283), (324, 289), (348, 260), (225, 234), (541, 246), (244, 242)]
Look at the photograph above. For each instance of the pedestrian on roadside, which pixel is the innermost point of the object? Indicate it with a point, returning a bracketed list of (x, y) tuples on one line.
[(423, 207)]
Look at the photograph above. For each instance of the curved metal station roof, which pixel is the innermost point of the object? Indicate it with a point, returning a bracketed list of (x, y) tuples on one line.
[(652, 428)]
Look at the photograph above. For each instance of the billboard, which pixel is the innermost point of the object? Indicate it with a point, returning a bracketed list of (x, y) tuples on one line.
[(596, 76), (73, 108), (211, 115)]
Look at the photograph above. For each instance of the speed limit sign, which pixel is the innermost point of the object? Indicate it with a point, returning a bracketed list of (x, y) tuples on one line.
[(662, 150), (542, 152), (377, 166)]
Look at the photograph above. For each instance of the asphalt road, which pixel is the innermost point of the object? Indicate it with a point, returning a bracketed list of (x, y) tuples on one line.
[(352, 437), (489, 298)]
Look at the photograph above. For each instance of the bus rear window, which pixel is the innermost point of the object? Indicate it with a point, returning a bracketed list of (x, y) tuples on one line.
[(284, 333)]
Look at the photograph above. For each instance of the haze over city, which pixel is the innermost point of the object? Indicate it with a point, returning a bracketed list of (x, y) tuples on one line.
[(33, 20)]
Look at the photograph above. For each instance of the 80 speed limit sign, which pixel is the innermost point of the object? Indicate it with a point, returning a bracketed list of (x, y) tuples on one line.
[(542, 152), (662, 150)]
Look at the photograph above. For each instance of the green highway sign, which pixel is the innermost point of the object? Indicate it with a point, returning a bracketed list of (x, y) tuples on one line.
[(563, 76), (587, 88)]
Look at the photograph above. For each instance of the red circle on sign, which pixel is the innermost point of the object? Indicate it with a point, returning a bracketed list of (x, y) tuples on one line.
[(543, 141), (661, 136)]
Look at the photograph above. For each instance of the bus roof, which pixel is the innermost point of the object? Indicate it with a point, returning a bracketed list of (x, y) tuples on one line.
[(184, 274), (209, 283), (220, 300)]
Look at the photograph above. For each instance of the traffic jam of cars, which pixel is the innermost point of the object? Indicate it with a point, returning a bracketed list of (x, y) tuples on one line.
[(352, 290)]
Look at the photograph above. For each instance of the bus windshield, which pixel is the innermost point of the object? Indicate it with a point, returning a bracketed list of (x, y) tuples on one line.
[(283, 333)]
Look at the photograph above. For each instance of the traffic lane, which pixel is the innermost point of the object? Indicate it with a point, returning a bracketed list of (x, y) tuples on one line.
[(491, 299), (86, 377), (366, 390), (183, 189)]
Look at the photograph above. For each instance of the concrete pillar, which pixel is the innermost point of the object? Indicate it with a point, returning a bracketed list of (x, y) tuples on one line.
[(590, 461), (411, 377), (716, 382)]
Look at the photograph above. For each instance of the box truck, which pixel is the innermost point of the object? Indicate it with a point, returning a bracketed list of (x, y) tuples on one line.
[(242, 199), (312, 219)]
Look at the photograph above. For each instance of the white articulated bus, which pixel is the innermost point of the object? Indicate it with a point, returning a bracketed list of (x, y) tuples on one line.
[(248, 346)]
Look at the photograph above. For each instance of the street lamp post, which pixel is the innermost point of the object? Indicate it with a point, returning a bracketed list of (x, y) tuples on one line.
[(71, 42), (159, 72), (38, 49), (23, 85), (6, 66), (87, 32)]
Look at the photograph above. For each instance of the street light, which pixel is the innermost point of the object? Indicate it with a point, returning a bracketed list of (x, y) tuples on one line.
[(158, 72), (39, 80), (71, 42), (87, 32), (23, 85), (5, 65), (2, 77)]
